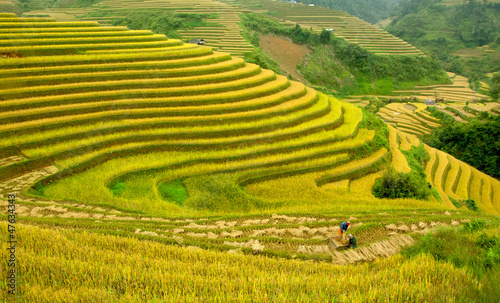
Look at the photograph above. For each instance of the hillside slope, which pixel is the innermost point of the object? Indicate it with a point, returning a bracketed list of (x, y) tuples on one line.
[(127, 116), (137, 168), (223, 32)]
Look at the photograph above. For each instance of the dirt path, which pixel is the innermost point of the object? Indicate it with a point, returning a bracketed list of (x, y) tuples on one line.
[(287, 54)]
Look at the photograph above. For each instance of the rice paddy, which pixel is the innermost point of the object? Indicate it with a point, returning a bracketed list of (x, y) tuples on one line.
[(186, 164), (223, 32)]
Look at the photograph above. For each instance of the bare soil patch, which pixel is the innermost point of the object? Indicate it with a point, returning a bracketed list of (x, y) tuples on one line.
[(287, 54)]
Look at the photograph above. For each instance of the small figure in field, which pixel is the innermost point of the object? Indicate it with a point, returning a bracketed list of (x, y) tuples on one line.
[(430, 186), (352, 241), (342, 231), (343, 227)]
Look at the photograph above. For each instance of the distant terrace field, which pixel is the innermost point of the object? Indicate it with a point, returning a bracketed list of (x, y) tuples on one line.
[(228, 37), (346, 26), (223, 36)]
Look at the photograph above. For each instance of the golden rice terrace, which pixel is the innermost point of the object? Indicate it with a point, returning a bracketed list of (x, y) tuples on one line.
[(110, 116), (185, 165)]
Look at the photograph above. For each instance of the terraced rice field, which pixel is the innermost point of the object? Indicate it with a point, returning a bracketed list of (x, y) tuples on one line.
[(224, 35), (459, 91), (99, 107), (8, 6), (346, 26), (227, 37), (118, 104), (454, 179), (93, 132), (474, 52), (410, 118)]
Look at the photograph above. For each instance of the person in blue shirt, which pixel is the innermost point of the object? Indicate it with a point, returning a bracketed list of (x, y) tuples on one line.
[(344, 226)]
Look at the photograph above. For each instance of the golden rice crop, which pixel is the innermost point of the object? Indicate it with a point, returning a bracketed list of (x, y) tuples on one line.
[(29, 20), (73, 48), (413, 140), (405, 143), (442, 160), (364, 185), (265, 78), (174, 63), (87, 40), (261, 123), (100, 59), (74, 34), (9, 24), (303, 187), (295, 90), (486, 189), (142, 50), (495, 188), (63, 29), (462, 186), (88, 76), (436, 174), (475, 186), (246, 71), (81, 268), (430, 164), (451, 177), (324, 136), (356, 164), (8, 15), (115, 166), (420, 106), (413, 126), (428, 117), (410, 131), (398, 159)]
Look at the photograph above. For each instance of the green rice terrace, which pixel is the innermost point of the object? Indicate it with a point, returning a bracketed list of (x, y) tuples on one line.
[(126, 147), (223, 32), (351, 28)]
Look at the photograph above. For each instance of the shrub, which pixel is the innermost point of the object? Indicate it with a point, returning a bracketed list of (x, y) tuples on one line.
[(471, 204), (475, 225), (117, 188), (395, 185), (173, 191)]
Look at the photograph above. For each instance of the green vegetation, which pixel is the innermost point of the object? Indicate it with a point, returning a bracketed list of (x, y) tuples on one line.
[(441, 30), (372, 122), (258, 57), (444, 117), (475, 143), (410, 185), (480, 240), (494, 83), (173, 191), (31, 5), (372, 11), (218, 193), (165, 22), (469, 203), (353, 69)]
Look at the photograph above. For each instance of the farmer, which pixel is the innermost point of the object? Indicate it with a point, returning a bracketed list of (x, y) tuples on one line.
[(352, 241), (342, 231), (343, 227)]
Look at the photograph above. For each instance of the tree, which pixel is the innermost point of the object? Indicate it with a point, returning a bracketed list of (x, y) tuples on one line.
[(325, 37)]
